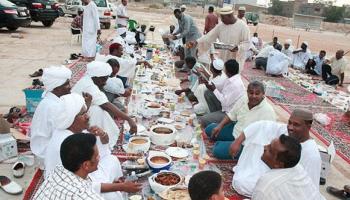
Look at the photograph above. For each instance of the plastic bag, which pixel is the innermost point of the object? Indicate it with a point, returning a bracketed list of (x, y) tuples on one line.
[(322, 119)]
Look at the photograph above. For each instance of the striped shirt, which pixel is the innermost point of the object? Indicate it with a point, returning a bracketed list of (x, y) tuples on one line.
[(63, 184)]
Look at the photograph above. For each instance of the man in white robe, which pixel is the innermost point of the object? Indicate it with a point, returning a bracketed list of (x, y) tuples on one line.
[(250, 167), (101, 109), (56, 82), (287, 179), (277, 62), (122, 14), (239, 35), (301, 56), (288, 49), (72, 120), (91, 28)]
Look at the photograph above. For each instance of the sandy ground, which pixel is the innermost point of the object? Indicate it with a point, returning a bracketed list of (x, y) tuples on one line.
[(42, 47)]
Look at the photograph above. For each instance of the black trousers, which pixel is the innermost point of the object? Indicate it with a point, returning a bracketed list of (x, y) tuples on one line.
[(326, 71)]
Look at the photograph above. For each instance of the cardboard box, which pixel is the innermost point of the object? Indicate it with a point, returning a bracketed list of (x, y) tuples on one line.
[(8, 147)]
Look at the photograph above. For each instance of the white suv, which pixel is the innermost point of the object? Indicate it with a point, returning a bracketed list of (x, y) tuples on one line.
[(104, 12)]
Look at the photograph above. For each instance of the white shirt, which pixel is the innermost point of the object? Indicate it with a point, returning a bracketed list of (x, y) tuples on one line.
[(264, 53), (300, 59), (277, 63), (63, 184), (127, 64), (233, 88), (338, 66), (86, 84), (114, 85), (91, 21), (43, 124), (122, 11), (244, 116), (288, 183), (249, 167), (288, 52), (218, 80)]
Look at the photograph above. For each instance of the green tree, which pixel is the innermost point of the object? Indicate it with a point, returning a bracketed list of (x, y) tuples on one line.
[(276, 8), (333, 13)]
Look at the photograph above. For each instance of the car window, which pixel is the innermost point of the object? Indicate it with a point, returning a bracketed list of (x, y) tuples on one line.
[(6, 3), (76, 2), (100, 3)]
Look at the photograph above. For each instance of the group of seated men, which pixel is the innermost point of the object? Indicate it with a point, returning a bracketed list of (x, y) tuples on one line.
[(275, 60)]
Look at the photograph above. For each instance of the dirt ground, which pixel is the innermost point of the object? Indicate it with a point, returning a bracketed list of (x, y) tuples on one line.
[(42, 47)]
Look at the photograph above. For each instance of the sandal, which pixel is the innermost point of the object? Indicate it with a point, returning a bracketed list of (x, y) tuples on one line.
[(9, 186), (18, 169), (341, 194), (37, 73)]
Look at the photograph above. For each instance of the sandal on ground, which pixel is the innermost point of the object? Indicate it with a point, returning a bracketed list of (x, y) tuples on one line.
[(37, 73), (341, 194), (9, 186), (18, 169)]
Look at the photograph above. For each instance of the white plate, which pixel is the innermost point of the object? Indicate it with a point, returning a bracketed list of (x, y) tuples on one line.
[(177, 152)]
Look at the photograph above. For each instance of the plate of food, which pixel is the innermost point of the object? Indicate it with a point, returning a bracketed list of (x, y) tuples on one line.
[(185, 113), (177, 152), (175, 193)]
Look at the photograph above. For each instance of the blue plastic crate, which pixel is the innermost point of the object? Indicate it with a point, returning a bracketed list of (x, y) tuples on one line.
[(33, 98)]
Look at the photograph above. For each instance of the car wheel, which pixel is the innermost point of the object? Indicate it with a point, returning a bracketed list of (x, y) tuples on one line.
[(48, 23), (107, 25), (12, 28)]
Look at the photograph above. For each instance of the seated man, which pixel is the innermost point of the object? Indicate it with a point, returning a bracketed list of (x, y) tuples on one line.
[(257, 41), (101, 110), (274, 42), (277, 62), (261, 58), (56, 81), (77, 23), (73, 120), (193, 65), (141, 35), (288, 49), (243, 113), (114, 87), (301, 57), (250, 167), (221, 98), (217, 77), (333, 71), (79, 155), (287, 179), (314, 65), (206, 185)]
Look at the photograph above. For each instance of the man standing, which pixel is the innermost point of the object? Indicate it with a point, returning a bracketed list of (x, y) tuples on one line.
[(91, 29), (187, 29), (335, 69), (210, 21), (122, 15), (241, 14), (239, 35)]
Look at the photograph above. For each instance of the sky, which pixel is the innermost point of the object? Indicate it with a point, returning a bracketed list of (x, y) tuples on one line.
[(338, 2)]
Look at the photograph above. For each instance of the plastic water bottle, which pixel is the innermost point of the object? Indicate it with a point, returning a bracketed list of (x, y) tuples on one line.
[(132, 177), (126, 136)]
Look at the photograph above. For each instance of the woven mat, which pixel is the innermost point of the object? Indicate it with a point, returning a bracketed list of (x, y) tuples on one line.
[(295, 96), (34, 185)]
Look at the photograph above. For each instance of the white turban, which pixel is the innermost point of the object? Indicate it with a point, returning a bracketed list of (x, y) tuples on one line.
[(119, 40), (289, 41), (121, 31), (55, 76), (306, 43), (218, 64), (70, 106), (98, 69)]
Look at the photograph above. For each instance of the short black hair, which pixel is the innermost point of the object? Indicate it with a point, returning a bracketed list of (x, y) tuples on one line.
[(190, 60), (204, 184), (275, 38), (214, 70), (323, 51), (257, 84), (211, 9), (177, 10), (291, 156), (255, 34), (232, 67), (76, 149), (113, 62), (278, 47)]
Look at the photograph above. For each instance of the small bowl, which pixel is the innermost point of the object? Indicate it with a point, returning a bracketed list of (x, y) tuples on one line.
[(158, 187), (152, 163), (139, 144)]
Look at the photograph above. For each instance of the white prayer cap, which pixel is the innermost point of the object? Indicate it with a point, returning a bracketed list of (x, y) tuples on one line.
[(288, 41), (98, 69), (226, 10), (70, 106), (183, 6), (121, 31), (55, 76), (241, 8), (218, 64), (306, 43), (119, 40), (130, 38)]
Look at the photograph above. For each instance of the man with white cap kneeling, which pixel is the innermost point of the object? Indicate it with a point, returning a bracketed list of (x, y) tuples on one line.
[(250, 166), (301, 56), (217, 77), (73, 119), (101, 109)]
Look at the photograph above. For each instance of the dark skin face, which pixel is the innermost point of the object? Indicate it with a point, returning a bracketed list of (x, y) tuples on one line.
[(271, 152), (190, 65), (286, 46), (228, 19), (100, 81), (63, 89), (255, 96), (339, 54), (117, 52), (172, 28), (115, 70), (298, 128), (178, 15), (85, 2), (81, 121), (124, 2), (275, 40), (303, 47), (322, 55), (241, 14)]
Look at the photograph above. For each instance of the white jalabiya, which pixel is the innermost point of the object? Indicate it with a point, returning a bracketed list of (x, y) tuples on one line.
[(127, 64), (239, 35), (250, 167), (288, 52), (288, 183), (43, 124), (277, 63), (202, 106), (121, 11), (300, 59), (54, 77), (91, 23), (114, 85), (98, 116), (264, 53)]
